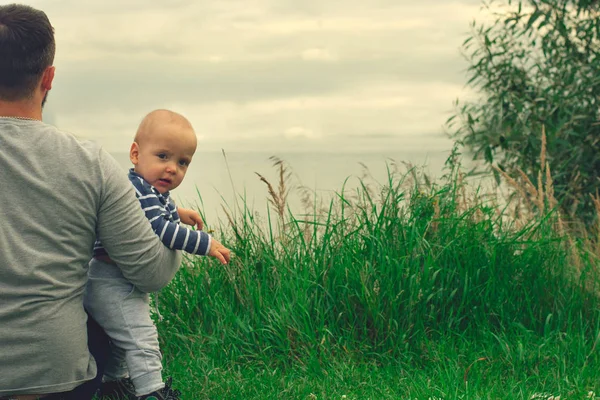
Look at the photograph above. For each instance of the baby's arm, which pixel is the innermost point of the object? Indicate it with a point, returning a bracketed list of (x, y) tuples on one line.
[(177, 237), (190, 217), (193, 218), (219, 251), (172, 234)]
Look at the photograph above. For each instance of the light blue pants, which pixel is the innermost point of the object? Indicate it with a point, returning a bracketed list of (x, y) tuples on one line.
[(124, 313)]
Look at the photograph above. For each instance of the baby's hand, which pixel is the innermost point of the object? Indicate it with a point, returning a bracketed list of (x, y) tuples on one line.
[(190, 217), (219, 251)]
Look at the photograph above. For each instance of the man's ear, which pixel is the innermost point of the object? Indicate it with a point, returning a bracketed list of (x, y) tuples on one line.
[(134, 153), (48, 77)]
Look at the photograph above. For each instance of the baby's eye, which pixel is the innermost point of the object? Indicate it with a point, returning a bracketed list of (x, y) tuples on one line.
[(162, 156), (184, 163)]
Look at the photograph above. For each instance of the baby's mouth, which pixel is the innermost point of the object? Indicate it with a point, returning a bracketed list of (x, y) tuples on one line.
[(165, 181)]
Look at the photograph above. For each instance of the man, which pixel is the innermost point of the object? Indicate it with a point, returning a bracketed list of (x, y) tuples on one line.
[(58, 195)]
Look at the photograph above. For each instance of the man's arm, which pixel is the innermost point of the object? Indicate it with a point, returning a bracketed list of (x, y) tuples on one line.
[(126, 235)]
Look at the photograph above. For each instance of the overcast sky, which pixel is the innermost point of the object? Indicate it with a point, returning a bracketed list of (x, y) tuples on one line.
[(270, 75)]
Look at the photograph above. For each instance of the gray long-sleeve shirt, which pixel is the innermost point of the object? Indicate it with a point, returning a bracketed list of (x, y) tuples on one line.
[(57, 194)]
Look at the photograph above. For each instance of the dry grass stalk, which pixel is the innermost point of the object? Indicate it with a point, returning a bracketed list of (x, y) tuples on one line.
[(543, 150), (548, 197), (543, 198), (517, 213), (552, 202), (229, 218), (276, 200), (540, 199), (283, 176), (529, 188), (536, 200)]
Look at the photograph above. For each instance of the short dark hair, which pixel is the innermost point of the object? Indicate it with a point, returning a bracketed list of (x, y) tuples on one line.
[(26, 49)]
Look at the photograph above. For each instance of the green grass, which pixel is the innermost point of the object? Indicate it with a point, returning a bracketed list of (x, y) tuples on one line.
[(409, 291), (509, 367)]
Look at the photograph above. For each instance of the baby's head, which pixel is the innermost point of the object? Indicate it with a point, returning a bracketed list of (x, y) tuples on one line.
[(163, 148)]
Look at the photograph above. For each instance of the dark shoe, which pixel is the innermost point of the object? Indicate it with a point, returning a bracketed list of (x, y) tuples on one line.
[(122, 389), (166, 393)]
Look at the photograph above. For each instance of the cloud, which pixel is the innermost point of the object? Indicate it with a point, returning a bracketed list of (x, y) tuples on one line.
[(214, 59), (260, 73), (298, 132), (88, 86), (386, 113), (317, 54)]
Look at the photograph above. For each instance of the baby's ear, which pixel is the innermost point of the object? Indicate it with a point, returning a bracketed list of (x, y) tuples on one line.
[(134, 153)]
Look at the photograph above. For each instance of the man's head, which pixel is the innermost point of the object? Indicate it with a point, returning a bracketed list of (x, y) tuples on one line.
[(163, 148), (26, 54)]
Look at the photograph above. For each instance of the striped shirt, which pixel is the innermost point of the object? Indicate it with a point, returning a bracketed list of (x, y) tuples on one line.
[(161, 211)]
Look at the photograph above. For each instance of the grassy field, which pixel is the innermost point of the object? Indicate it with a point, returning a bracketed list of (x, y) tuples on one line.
[(406, 290)]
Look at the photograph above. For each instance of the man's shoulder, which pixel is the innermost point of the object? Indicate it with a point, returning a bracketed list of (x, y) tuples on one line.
[(86, 155), (76, 140), (53, 135)]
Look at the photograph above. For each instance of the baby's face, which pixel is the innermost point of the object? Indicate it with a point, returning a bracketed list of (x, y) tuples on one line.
[(162, 156)]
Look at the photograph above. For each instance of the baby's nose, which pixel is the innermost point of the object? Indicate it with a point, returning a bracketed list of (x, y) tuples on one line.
[(171, 167)]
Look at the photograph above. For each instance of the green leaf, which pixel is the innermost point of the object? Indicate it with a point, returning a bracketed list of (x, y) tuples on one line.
[(532, 68), (534, 16), (489, 157)]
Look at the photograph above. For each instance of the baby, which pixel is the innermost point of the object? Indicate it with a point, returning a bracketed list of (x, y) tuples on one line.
[(161, 154)]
